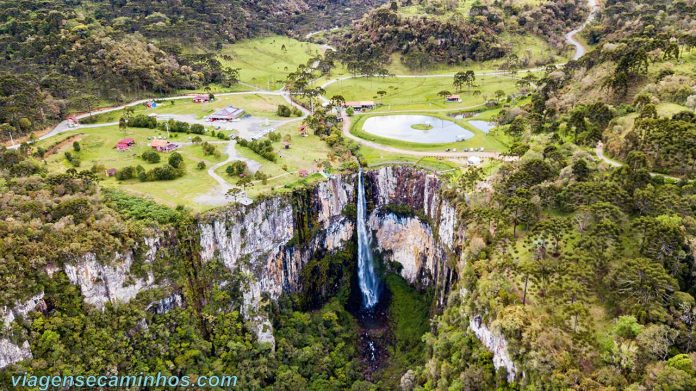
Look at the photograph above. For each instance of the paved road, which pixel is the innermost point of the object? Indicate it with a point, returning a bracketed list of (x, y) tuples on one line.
[(63, 126), (580, 49)]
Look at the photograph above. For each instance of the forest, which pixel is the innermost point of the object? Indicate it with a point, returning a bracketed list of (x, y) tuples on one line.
[(422, 41)]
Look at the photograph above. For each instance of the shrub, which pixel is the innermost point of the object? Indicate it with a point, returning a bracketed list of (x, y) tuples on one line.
[(237, 168), (142, 121), (76, 146), (151, 156), (274, 136), (176, 160), (201, 165), (197, 129), (125, 173), (284, 111), (209, 149)]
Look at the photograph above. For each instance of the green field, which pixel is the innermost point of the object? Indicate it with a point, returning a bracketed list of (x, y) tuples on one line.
[(494, 141), (419, 93), (262, 62), (258, 105), (97, 147)]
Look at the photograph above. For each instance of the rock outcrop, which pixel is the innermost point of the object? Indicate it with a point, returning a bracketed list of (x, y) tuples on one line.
[(111, 280), (271, 240), (11, 352), (425, 242), (496, 343)]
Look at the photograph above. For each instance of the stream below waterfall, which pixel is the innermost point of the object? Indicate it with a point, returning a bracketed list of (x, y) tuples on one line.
[(371, 312)]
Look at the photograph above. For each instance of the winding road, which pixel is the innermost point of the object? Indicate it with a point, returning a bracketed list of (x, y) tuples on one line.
[(580, 49)]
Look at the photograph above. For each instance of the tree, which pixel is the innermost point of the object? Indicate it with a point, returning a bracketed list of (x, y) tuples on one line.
[(150, 156), (234, 193), (236, 168), (519, 209), (516, 128), (123, 124), (201, 165), (444, 94), (176, 160), (245, 181), (337, 100), (641, 286), (76, 146), (499, 95), (580, 170), (464, 78)]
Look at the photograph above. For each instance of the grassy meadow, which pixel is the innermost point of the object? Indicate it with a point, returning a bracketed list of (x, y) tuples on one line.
[(263, 62), (420, 93), (97, 148)]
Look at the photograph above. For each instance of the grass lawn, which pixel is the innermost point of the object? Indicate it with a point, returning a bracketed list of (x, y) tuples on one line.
[(258, 105), (97, 148), (493, 141), (376, 157), (262, 62), (304, 153), (419, 93)]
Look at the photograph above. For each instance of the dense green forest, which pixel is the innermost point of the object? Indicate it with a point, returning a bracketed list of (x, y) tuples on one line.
[(443, 35)]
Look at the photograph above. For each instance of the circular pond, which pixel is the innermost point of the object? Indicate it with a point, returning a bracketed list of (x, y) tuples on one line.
[(483, 126), (416, 129)]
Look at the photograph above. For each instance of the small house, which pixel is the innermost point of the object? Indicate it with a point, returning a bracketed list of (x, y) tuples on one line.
[(73, 121), (303, 173), (360, 105), (453, 99), (111, 172), (201, 98), (124, 144), (303, 130), (228, 113), (163, 145)]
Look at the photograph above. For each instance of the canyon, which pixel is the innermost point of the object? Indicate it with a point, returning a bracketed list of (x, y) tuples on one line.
[(415, 233)]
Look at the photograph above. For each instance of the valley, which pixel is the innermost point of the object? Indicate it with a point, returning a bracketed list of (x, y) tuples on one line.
[(355, 194)]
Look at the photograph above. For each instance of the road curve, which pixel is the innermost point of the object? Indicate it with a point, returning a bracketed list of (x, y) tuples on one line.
[(599, 151), (580, 49)]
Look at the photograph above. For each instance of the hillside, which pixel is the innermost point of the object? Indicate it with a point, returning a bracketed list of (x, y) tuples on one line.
[(425, 34), (66, 56)]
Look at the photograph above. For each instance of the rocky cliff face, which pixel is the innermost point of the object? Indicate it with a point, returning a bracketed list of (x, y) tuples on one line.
[(11, 352), (270, 241), (426, 241), (103, 281), (496, 343)]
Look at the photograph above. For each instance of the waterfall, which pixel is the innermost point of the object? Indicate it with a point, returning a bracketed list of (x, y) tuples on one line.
[(367, 279)]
